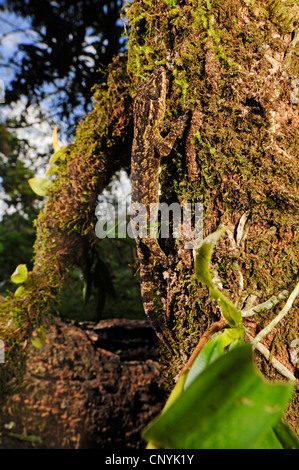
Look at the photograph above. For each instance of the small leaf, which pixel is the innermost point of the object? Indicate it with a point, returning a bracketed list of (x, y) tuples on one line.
[(30, 438), (55, 140), (202, 271), (40, 185), (85, 291), (204, 256), (53, 169), (57, 156), (20, 274), (19, 291), (38, 341)]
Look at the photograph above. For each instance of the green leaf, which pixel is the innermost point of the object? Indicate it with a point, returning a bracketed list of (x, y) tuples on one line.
[(39, 340), (286, 435), (20, 274), (268, 441), (53, 169), (202, 271), (40, 185), (30, 438), (204, 256), (228, 406), (176, 391), (211, 351), (19, 291), (281, 436), (57, 156), (85, 291)]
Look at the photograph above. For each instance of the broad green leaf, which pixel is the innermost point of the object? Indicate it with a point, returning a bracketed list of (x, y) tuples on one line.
[(268, 441), (175, 394), (20, 274), (40, 185), (228, 406), (202, 271), (281, 436), (39, 340), (176, 391), (211, 351)]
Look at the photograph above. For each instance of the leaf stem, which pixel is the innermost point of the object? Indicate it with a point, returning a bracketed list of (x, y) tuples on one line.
[(203, 341)]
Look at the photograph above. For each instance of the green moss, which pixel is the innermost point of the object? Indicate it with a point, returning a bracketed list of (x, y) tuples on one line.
[(282, 14)]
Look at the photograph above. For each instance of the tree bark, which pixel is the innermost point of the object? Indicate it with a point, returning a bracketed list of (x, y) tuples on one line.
[(90, 386), (233, 68)]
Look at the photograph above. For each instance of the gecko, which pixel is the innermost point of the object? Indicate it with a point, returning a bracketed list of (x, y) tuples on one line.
[(147, 149)]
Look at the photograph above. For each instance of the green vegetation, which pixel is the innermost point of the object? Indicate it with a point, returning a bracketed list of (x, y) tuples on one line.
[(228, 405), (221, 400)]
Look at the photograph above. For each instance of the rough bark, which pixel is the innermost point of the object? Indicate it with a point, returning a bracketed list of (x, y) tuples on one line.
[(90, 386)]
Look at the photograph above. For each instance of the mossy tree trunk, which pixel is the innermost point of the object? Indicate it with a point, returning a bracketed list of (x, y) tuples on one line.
[(232, 67)]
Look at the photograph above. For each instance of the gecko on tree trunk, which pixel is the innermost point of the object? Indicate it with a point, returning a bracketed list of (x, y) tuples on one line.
[(147, 149)]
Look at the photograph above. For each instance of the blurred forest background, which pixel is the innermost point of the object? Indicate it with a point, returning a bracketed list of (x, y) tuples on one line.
[(46, 85)]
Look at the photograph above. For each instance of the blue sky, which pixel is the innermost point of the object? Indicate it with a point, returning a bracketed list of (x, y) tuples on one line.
[(14, 30)]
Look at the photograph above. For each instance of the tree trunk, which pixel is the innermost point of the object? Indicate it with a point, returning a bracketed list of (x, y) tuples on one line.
[(232, 67)]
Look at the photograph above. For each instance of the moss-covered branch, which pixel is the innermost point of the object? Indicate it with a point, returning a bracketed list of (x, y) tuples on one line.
[(65, 226)]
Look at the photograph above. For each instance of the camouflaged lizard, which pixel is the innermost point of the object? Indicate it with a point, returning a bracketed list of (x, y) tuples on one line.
[(148, 146)]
